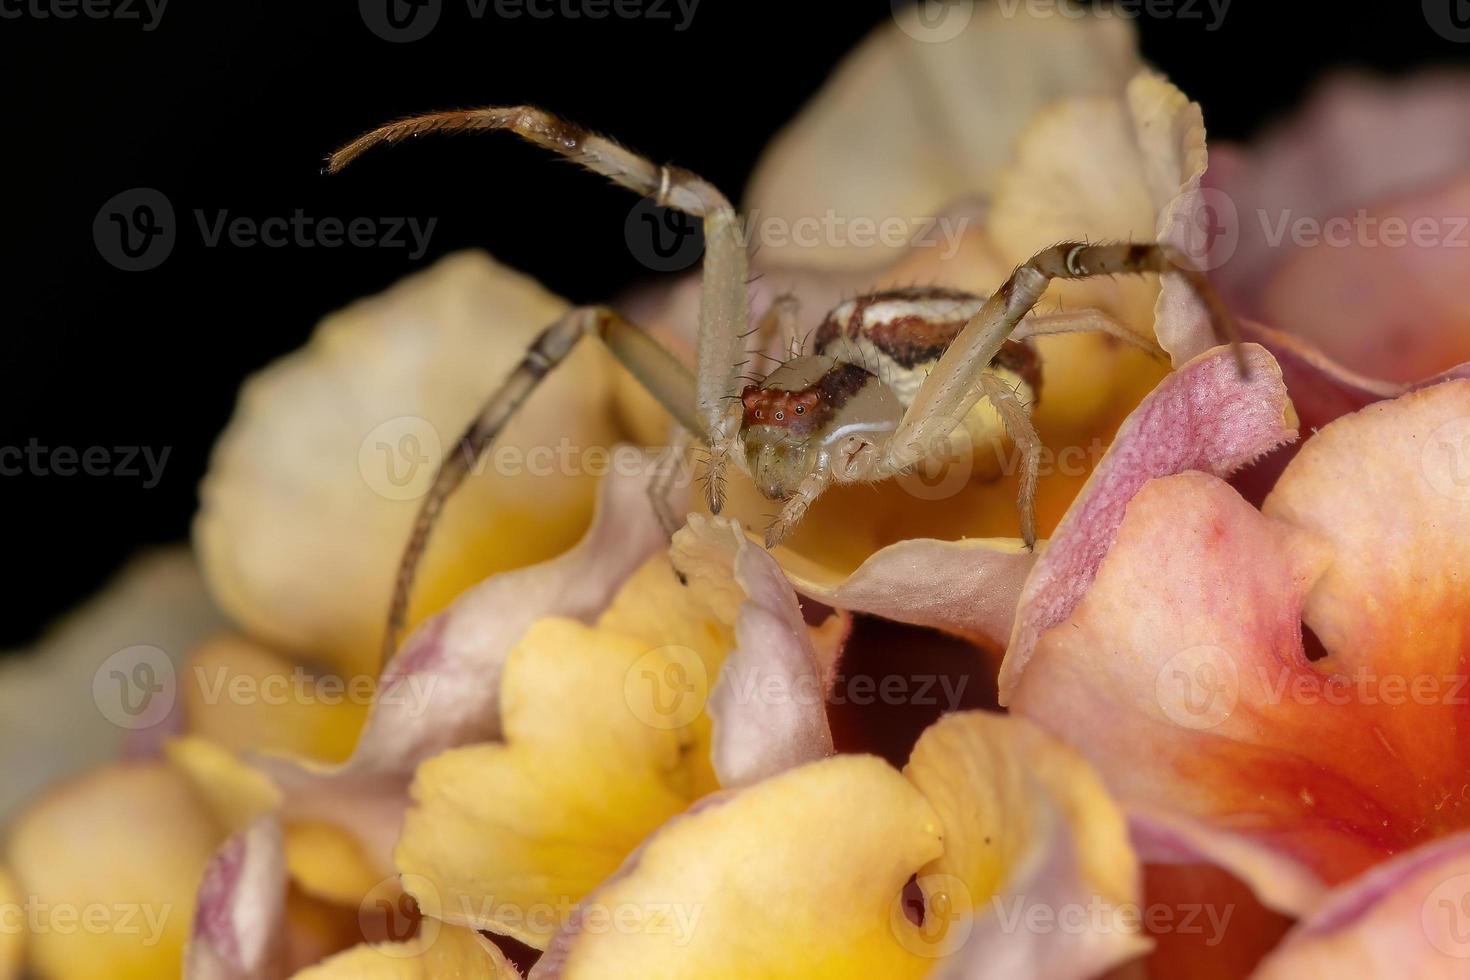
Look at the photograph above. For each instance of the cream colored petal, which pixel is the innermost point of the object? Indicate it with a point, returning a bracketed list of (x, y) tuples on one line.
[(313, 486), (450, 951), (1030, 835), (800, 875), (509, 836), (923, 114), (108, 863), (158, 601)]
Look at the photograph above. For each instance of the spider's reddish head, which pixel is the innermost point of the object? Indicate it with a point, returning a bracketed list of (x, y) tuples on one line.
[(772, 406)]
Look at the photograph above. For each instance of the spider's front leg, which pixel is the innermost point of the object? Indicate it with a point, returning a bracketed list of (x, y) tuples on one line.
[(961, 378), (654, 367), (722, 302)]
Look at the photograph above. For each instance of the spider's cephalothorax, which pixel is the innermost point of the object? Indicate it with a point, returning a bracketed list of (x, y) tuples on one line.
[(835, 409), (891, 376)]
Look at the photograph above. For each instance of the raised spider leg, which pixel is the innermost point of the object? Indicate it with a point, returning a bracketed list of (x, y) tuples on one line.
[(957, 381), (658, 370), (723, 310)]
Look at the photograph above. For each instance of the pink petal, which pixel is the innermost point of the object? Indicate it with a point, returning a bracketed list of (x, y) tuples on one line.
[(1203, 416), (239, 918), (1409, 917), (769, 704)]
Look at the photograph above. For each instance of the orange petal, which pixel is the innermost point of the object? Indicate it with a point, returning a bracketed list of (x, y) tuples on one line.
[(1214, 714)]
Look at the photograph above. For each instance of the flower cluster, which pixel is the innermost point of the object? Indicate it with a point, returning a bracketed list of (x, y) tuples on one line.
[(1214, 725)]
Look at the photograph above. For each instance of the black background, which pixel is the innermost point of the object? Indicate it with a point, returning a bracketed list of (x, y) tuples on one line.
[(231, 105)]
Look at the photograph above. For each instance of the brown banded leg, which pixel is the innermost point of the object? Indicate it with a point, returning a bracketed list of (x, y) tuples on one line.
[(658, 370), (723, 313), (957, 382), (1017, 421)]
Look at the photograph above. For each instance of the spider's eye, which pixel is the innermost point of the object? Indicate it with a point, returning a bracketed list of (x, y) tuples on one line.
[(801, 410), (760, 414), (780, 416)]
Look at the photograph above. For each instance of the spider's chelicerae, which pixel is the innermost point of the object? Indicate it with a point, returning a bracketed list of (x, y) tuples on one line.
[(889, 376)]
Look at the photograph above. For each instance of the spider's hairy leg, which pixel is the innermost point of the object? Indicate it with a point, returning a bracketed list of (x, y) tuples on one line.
[(780, 321), (956, 383), (1017, 421), (723, 303), (666, 469), (658, 370)]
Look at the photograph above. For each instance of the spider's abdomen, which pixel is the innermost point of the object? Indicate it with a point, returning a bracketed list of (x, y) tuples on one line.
[(900, 334)]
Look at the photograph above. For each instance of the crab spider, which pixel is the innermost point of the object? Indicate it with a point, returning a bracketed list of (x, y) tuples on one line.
[(890, 373)]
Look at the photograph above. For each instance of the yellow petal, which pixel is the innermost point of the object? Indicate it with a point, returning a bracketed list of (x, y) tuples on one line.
[(108, 863), (234, 792), (12, 928), (691, 624), (312, 488), (797, 876), (442, 951), (246, 698), (327, 862), (1027, 824), (509, 836)]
